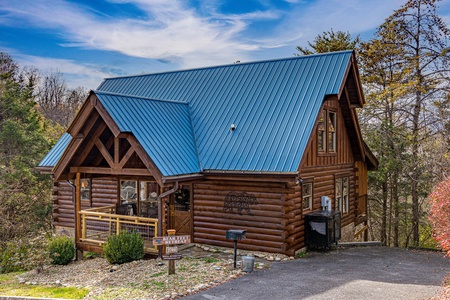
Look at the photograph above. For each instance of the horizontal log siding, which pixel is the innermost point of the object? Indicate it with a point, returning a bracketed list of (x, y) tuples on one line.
[(323, 169), (265, 225), (63, 205), (103, 192)]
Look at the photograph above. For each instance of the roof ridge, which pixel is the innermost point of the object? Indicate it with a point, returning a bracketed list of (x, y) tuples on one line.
[(229, 65), (138, 97)]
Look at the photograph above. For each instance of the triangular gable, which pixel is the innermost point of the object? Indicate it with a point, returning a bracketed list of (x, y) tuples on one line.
[(162, 128), (95, 137)]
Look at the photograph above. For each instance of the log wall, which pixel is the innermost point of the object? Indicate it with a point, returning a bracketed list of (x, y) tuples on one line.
[(322, 169), (103, 192), (265, 220)]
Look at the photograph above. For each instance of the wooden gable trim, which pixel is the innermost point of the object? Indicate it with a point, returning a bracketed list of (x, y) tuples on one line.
[(352, 72), (105, 116), (148, 162), (354, 124), (358, 80), (67, 156), (125, 158), (311, 136), (81, 117), (104, 152), (91, 144)]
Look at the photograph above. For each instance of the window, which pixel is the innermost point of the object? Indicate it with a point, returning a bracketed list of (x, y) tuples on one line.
[(331, 131), (128, 191), (307, 195), (321, 133), (326, 132), (341, 195), (85, 190), (146, 204)]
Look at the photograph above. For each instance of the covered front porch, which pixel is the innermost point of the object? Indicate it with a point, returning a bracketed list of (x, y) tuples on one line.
[(97, 224)]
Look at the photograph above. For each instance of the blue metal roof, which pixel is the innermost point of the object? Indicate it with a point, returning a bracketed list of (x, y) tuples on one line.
[(55, 153), (273, 104), (163, 128)]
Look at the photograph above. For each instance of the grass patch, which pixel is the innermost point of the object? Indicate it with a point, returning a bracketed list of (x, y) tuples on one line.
[(301, 254), (11, 287), (210, 260), (158, 274)]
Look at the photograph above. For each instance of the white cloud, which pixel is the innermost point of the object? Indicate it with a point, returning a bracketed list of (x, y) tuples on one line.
[(172, 31), (75, 73)]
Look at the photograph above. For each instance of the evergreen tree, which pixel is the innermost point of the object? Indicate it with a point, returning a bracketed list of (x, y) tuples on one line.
[(24, 194), (330, 41)]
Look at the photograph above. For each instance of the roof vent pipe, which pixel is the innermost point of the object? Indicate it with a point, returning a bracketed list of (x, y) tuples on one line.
[(232, 127)]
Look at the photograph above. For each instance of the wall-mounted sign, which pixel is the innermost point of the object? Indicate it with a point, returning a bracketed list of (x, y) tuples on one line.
[(239, 200)]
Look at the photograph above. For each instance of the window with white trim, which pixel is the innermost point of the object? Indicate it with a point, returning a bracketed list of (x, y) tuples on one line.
[(326, 132), (341, 194), (307, 195)]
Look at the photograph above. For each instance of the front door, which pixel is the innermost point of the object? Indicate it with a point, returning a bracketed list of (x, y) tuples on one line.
[(182, 212)]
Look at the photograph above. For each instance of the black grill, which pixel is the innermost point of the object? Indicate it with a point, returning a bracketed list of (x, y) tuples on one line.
[(322, 229)]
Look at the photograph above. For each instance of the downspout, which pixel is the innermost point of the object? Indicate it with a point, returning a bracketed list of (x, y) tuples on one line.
[(160, 208), (74, 215)]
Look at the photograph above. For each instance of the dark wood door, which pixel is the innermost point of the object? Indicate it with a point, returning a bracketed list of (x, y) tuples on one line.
[(182, 215), (182, 222)]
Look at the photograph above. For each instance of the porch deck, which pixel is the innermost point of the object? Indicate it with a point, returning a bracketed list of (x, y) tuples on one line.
[(100, 222)]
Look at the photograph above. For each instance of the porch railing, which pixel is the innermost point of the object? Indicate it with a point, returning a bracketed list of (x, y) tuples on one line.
[(100, 222)]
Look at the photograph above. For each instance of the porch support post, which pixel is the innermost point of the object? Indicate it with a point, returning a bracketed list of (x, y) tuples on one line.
[(160, 212), (79, 254)]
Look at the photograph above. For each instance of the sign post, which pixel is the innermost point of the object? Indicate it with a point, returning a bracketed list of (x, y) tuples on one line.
[(171, 240)]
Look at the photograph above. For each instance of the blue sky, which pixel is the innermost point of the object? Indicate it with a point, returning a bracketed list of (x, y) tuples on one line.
[(89, 40)]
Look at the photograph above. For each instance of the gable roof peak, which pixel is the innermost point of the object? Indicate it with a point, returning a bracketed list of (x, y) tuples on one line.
[(241, 63), (99, 92)]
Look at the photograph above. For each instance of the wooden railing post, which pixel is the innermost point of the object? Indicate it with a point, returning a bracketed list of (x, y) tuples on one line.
[(83, 226), (79, 254)]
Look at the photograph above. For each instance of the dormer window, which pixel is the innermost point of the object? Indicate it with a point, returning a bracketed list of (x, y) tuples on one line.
[(326, 132)]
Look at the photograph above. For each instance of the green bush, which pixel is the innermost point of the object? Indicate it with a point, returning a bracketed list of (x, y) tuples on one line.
[(62, 250), (24, 254), (123, 248)]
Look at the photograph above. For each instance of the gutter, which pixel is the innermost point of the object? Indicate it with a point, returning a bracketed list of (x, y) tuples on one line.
[(160, 208), (74, 216)]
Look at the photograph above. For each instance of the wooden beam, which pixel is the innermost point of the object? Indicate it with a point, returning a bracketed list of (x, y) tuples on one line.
[(108, 145), (90, 123), (87, 149), (126, 158), (77, 207), (116, 151), (81, 117), (66, 157), (145, 159), (105, 153), (109, 171), (107, 118)]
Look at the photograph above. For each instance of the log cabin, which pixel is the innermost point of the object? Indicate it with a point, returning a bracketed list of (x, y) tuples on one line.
[(251, 146)]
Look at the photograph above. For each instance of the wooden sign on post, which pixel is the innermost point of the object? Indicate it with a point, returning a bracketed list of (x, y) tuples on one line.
[(171, 240), (171, 251)]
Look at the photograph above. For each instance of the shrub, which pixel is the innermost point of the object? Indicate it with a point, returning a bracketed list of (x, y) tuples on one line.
[(439, 214), (62, 250), (123, 248), (24, 254)]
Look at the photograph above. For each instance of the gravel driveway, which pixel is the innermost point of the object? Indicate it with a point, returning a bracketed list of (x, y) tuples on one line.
[(350, 273)]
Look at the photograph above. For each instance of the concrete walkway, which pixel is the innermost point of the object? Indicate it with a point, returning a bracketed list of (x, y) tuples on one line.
[(352, 273)]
